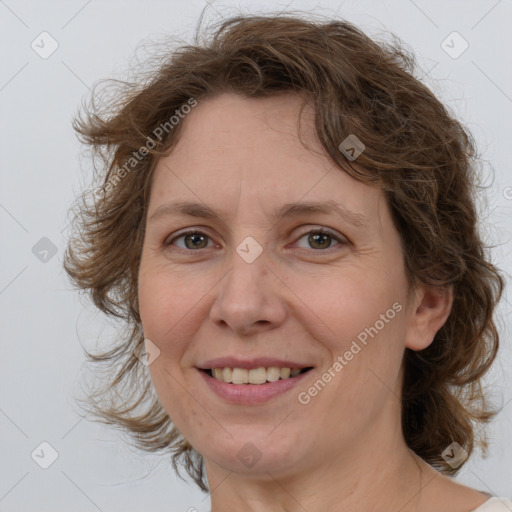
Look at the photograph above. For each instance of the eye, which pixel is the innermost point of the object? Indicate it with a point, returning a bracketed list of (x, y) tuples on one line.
[(320, 239), (193, 239)]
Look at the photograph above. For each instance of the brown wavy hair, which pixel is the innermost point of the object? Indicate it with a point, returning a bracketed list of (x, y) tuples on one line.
[(423, 158)]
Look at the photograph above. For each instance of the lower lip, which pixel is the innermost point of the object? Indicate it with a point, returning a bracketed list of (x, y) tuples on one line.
[(248, 394)]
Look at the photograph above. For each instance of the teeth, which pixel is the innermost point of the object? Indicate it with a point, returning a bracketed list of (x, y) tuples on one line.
[(218, 373), (254, 376), (227, 375), (273, 373), (257, 376), (240, 376)]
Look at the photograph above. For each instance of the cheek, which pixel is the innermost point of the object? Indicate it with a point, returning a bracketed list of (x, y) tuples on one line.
[(361, 324), (168, 299), (161, 309), (172, 308), (355, 306)]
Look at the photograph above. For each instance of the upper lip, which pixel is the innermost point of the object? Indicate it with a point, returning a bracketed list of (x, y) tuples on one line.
[(249, 364)]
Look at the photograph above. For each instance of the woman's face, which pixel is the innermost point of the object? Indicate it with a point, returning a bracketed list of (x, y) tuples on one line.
[(255, 289)]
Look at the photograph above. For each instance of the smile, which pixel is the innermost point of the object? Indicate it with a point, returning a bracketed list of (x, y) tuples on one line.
[(254, 386), (258, 376)]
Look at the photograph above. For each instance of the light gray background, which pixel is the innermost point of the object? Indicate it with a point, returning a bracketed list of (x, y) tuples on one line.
[(43, 320)]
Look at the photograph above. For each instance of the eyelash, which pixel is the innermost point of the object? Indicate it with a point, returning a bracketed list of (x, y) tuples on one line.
[(322, 231)]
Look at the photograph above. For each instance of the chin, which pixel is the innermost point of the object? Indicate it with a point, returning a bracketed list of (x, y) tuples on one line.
[(252, 451)]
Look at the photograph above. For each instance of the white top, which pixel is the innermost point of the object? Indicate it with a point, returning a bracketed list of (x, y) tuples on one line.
[(495, 505)]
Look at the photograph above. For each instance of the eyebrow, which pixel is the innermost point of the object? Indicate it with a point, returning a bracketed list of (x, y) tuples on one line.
[(287, 210)]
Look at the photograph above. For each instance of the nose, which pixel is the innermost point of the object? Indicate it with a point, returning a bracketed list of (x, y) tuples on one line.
[(249, 297)]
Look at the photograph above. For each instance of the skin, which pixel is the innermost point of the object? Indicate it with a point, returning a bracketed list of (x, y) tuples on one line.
[(343, 450)]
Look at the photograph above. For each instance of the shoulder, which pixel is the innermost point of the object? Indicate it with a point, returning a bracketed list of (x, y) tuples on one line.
[(495, 505), (445, 494)]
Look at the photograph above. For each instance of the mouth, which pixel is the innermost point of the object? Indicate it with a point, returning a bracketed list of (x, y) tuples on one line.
[(254, 376), (252, 386)]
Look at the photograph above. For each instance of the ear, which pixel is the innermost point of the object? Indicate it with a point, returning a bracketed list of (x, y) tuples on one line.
[(431, 308)]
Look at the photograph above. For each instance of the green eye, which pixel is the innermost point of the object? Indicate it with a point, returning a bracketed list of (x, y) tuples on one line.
[(317, 239), (193, 240), (321, 239)]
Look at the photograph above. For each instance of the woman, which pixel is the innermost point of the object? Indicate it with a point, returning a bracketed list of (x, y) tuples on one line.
[(287, 226)]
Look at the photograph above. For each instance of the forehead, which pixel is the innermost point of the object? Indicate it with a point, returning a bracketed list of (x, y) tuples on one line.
[(229, 125), (247, 151)]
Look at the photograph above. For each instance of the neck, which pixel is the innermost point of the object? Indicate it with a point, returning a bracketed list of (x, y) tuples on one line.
[(377, 474)]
